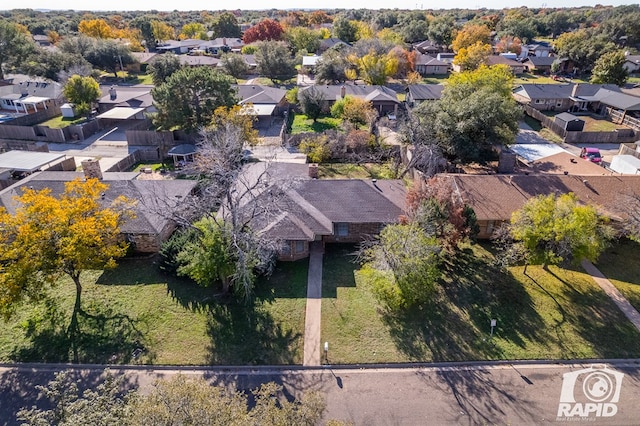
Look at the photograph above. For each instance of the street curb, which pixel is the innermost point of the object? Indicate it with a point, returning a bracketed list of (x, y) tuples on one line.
[(226, 369)]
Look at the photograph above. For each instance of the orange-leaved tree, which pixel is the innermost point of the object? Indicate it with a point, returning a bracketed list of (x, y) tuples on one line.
[(48, 236)]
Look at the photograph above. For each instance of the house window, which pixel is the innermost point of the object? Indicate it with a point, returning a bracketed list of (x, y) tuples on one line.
[(342, 229), (539, 101), (490, 226), (299, 247), (558, 104), (286, 248)]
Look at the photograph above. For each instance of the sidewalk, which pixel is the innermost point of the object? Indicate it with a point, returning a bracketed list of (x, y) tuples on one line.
[(627, 309), (313, 316)]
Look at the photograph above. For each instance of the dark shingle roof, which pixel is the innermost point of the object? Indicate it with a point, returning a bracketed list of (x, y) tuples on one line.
[(423, 92), (257, 94), (561, 91), (496, 197), (541, 61), (313, 206), (423, 59), (370, 93), (154, 197)]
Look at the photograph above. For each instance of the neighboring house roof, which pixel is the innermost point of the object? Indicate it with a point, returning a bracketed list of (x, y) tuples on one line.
[(424, 92), (540, 61), (496, 197), (427, 60), (127, 96), (257, 94), (566, 162), (503, 60), (177, 44), (616, 99), (561, 91), (426, 45), (197, 60), (370, 93), (144, 57), (31, 86), (332, 42), (446, 57), (155, 197), (232, 43)]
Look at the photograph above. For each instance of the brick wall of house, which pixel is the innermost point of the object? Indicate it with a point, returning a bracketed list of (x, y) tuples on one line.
[(292, 255), (357, 232), (151, 243)]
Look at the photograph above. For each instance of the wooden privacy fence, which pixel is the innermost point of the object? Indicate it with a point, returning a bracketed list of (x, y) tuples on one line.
[(616, 136)]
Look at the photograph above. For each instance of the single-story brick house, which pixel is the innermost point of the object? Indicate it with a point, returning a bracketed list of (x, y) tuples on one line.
[(428, 65), (152, 225), (559, 97), (383, 99), (266, 102), (323, 211), (538, 64), (418, 93)]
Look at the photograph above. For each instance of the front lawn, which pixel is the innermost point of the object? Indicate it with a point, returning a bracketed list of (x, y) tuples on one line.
[(354, 171), (302, 124), (621, 265), (175, 322), (560, 314)]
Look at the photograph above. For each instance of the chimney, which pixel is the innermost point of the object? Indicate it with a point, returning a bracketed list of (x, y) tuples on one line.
[(313, 171), (343, 91), (91, 169), (112, 93)]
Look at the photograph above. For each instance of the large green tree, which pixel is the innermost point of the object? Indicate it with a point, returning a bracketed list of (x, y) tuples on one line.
[(226, 25), (189, 97), (609, 69), (475, 114), (234, 65), (163, 66), (15, 45), (402, 266), (331, 68), (109, 55), (552, 229), (274, 61), (83, 92)]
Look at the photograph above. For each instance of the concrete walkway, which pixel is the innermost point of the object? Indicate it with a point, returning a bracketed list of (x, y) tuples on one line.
[(627, 309), (312, 322)]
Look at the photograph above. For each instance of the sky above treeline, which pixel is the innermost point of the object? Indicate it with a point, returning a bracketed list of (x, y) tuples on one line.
[(123, 5)]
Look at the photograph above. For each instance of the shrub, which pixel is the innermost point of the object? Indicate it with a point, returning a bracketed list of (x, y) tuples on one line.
[(317, 149), (170, 249)]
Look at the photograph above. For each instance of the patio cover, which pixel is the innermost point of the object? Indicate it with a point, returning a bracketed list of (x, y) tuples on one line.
[(258, 110), (120, 113), (27, 161)]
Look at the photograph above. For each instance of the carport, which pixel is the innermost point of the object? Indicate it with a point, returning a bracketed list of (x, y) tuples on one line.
[(122, 113), (28, 161)]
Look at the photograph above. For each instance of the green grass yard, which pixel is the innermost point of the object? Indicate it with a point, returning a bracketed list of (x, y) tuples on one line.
[(175, 321), (59, 122), (354, 171), (301, 124), (621, 265), (562, 314)]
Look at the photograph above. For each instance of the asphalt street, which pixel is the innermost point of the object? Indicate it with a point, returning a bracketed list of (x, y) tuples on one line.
[(447, 394)]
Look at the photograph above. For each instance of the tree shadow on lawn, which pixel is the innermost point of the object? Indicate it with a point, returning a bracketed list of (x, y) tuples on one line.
[(247, 333), (102, 337), (456, 326), (134, 271), (338, 266), (599, 321)]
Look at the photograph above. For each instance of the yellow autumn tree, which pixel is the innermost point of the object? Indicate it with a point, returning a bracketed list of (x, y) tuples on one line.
[(242, 117), (374, 69), (470, 58), (96, 28), (471, 34), (49, 236), (162, 31)]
